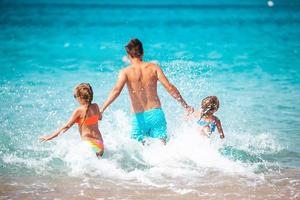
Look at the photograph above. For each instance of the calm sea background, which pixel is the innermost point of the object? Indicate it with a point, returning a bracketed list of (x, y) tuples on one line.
[(244, 52)]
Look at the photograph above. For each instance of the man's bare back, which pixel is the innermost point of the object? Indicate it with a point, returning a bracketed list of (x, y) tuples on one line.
[(141, 81)]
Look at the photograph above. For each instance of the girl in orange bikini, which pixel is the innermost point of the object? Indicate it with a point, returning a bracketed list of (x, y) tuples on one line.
[(87, 116)]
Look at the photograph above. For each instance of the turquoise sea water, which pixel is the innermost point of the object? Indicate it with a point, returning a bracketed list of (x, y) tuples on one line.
[(246, 53)]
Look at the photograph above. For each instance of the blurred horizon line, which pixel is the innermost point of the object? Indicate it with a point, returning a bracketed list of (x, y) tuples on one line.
[(148, 5)]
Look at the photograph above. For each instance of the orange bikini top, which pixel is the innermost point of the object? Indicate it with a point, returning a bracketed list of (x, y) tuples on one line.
[(88, 121)]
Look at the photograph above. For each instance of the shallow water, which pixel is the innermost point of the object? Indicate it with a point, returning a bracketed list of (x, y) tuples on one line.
[(245, 53)]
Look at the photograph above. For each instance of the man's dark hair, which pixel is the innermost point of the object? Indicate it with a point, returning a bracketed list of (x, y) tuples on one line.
[(134, 48)]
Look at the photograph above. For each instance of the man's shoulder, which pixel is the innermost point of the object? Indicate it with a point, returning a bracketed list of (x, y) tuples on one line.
[(125, 69), (151, 64), (130, 68)]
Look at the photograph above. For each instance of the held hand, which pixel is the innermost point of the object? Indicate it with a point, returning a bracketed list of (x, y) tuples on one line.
[(222, 136), (189, 110)]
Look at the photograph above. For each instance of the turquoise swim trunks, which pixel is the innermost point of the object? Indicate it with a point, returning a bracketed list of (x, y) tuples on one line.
[(151, 123)]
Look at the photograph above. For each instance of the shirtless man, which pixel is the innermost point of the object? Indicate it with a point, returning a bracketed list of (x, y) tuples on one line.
[(141, 80)]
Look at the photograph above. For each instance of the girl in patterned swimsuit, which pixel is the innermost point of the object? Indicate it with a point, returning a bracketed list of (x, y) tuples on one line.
[(207, 121), (87, 116)]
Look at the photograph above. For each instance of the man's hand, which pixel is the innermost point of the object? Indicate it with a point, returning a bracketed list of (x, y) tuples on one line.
[(222, 136)]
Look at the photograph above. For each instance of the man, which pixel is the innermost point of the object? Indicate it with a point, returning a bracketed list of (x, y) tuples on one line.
[(141, 80)]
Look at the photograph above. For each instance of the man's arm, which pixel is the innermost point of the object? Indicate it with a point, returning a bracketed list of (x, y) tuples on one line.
[(115, 91), (172, 90)]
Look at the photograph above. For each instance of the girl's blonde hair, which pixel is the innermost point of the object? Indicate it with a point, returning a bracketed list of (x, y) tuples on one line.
[(209, 105), (84, 91)]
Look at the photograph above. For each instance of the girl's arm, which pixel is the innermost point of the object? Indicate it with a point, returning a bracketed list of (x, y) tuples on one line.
[(219, 127), (68, 125)]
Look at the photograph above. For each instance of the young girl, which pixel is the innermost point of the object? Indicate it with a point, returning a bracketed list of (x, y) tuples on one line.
[(87, 116), (207, 122)]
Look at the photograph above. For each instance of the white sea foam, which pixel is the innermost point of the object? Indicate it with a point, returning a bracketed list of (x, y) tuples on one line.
[(37, 164), (187, 156)]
